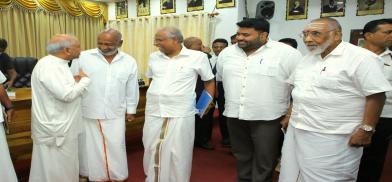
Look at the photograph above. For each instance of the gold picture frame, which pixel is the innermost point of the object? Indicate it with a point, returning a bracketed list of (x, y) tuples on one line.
[(225, 3), (370, 7), (296, 9), (332, 8), (143, 7), (121, 9), (356, 37), (168, 6), (195, 5)]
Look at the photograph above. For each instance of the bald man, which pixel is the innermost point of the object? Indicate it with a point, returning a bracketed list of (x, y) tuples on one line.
[(339, 92), (56, 114), (112, 98), (169, 128)]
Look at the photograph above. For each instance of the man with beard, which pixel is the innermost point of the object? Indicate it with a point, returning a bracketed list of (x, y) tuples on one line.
[(112, 94), (55, 115), (253, 73), (339, 91), (378, 37)]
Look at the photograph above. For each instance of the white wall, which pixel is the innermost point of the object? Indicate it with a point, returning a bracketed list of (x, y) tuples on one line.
[(280, 28)]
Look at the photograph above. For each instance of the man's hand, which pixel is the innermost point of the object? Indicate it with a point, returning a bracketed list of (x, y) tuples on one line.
[(10, 113), (285, 122), (80, 76), (130, 117), (360, 138), (8, 84)]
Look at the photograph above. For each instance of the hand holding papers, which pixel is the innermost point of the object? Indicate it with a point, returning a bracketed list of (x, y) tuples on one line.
[(203, 103)]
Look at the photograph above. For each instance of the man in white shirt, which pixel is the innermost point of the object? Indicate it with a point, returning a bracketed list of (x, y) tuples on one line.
[(378, 37), (253, 73), (339, 91), (56, 113), (7, 171), (217, 46), (169, 127), (112, 95)]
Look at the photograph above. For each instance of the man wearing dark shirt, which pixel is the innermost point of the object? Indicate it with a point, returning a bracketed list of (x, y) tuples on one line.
[(6, 64)]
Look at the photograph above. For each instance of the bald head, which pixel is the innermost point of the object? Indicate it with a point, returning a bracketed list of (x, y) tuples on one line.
[(64, 46), (117, 36), (332, 23), (193, 43), (109, 41)]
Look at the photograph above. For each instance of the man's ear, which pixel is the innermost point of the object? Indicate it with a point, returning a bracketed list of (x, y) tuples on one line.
[(367, 35)]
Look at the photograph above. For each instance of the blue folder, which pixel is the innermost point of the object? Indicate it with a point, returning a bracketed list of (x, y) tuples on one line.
[(203, 103)]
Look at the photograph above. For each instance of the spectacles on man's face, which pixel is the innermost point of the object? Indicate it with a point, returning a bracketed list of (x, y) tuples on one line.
[(313, 34)]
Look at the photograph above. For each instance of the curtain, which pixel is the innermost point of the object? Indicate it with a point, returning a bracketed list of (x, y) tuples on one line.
[(138, 33)]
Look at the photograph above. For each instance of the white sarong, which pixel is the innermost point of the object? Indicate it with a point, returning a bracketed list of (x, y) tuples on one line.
[(7, 172), (310, 156), (102, 150), (173, 137)]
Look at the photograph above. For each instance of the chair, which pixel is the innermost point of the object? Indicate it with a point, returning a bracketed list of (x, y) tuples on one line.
[(24, 67)]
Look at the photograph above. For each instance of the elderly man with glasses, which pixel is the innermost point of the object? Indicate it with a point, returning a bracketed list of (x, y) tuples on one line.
[(339, 92)]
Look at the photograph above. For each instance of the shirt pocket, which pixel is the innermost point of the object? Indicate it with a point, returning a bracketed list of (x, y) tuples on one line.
[(267, 70), (326, 82)]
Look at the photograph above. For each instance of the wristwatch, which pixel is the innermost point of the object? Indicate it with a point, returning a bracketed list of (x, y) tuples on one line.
[(367, 128)]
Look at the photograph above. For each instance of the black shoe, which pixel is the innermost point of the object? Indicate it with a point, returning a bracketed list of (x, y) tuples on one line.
[(206, 146), (226, 143)]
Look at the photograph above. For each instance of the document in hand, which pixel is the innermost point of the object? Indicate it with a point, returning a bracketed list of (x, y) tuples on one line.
[(203, 103)]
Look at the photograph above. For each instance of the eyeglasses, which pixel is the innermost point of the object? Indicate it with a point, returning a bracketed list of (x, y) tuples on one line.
[(313, 34)]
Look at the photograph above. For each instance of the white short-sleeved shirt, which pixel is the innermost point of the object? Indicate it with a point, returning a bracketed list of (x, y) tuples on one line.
[(2, 80), (255, 85), (329, 94), (172, 90), (114, 88), (387, 68)]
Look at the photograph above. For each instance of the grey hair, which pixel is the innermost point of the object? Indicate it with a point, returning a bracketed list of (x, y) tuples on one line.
[(173, 33), (55, 47), (112, 31)]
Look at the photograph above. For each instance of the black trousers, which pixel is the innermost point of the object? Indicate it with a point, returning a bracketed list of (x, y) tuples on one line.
[(256, 147), (372, 161), (203, 127), (221, 107)]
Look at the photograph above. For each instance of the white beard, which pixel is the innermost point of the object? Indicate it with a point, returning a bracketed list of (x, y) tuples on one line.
[(108, 53), (318, 49)]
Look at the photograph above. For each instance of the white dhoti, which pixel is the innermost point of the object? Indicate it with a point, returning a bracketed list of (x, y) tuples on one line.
[(102, 150), (310, 156), (55, 163), (7, 172), (168, 148)]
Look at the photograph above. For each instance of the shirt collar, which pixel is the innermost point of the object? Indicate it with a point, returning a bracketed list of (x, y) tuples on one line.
[(118, 55), (387, 51), (59, 60), (184, 52), (338, 49)]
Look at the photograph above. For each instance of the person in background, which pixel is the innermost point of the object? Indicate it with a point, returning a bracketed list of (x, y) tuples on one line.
[(339, 91), (56, 97), (217, 46), (233, 39), (253, 73), (111, 100), (6, 64), (169, 127), (378, 37), (289, 41)]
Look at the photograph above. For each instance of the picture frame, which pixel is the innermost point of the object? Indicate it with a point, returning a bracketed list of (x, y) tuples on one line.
[(225, 3), (332, 8), (195, 5), (143, 8), (356, 37), (370, 7), (296, 9), (168, 6), (121, 9)]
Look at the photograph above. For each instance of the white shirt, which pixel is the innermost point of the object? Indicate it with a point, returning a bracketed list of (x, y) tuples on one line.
[(329, 94), (172, 90), (114, 88), (2, 80), (55, 101), (255, 87), (387, 68)]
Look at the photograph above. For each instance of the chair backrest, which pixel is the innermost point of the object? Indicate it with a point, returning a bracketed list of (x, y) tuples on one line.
[(24, 67)]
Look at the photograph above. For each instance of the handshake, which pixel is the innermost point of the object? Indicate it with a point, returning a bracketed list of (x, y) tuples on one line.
[(80, 76)]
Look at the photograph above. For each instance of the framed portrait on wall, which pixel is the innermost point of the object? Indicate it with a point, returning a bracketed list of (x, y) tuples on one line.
[(356, 37), (332, 8), (121, 10), (370, 7), (168, 6), (296, 9), (195, 5), (225, 3), (143, 7)]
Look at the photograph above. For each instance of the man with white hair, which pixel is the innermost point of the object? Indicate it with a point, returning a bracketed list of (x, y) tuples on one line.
[(339, 92), (112, 95), (56, 113), (169, 127)]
